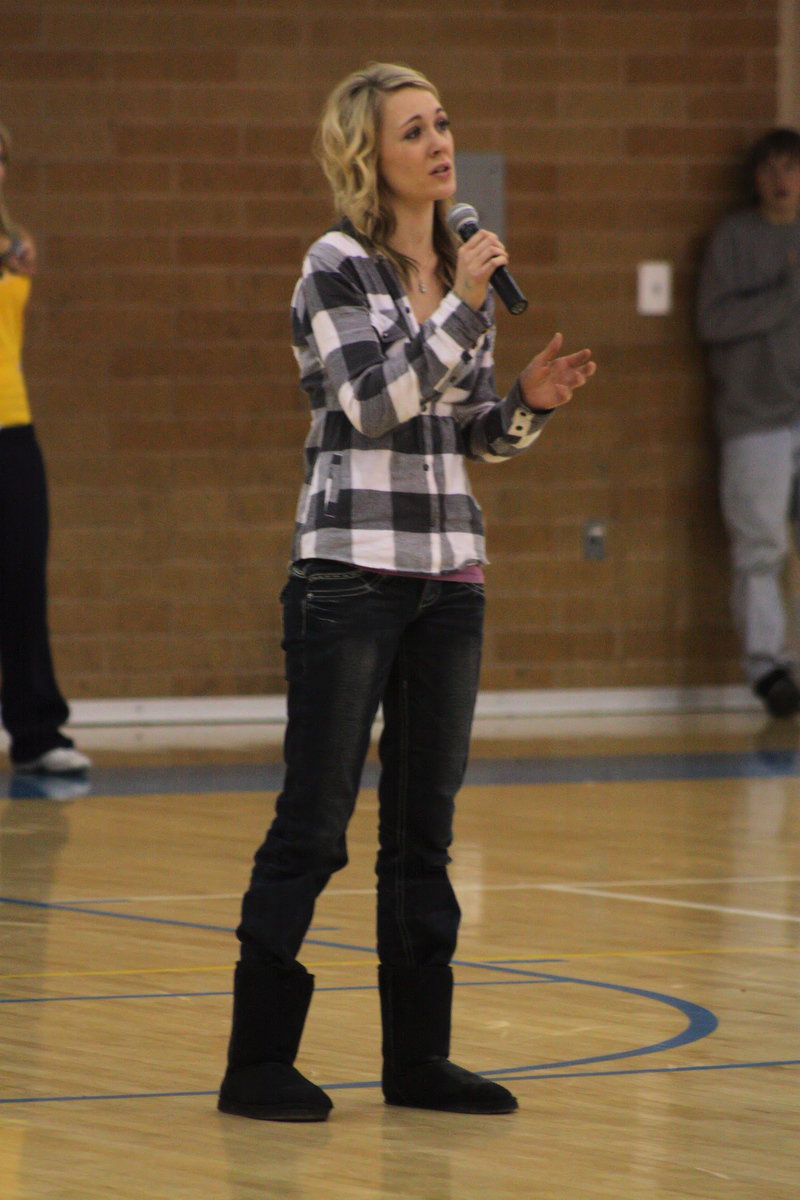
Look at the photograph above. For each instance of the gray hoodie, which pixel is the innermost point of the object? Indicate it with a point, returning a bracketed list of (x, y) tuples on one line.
[(748, 314)]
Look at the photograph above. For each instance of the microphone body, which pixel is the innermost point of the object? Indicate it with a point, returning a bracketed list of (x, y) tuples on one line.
[(463, 221)]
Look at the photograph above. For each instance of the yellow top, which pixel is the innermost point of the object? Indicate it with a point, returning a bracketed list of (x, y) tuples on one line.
[(14, 293)]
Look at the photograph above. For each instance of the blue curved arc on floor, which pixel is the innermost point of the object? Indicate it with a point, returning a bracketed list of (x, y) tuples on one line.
[(737, 1066), (701, 1021)]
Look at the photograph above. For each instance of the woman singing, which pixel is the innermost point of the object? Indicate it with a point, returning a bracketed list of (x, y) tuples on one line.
[(393, 335)]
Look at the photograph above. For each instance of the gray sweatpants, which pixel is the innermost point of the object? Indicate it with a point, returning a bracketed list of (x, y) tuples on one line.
[(760, 495)]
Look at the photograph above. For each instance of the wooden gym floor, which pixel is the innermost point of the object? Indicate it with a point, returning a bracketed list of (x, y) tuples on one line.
[(628, 965)]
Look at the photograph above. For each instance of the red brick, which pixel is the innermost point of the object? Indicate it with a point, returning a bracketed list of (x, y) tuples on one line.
[(231, 251), (20, 24), (743, 32), (727, 105), (628, 31), (172, 140), (50, 65), (109, 177), (692, 70), (148, 65), (680, 142)]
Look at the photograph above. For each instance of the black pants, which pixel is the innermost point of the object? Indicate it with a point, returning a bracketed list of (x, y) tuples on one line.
[(355, 639), (31, 705)]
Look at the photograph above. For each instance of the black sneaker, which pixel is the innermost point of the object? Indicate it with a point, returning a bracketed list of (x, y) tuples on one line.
[(780, 693)]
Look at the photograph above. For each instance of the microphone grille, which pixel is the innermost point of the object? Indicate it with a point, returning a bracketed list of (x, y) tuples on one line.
[(459, 214)]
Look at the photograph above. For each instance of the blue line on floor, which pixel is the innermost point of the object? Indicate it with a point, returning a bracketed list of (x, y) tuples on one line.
[(374, 1083), (268, 777)]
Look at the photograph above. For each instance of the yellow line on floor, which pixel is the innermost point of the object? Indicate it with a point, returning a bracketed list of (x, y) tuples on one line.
[(543, 960)]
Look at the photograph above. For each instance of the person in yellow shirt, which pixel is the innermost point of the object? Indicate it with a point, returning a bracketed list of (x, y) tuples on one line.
[(31, 705)]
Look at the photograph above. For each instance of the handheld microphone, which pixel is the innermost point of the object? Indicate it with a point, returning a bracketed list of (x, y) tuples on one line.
[(463, 221)]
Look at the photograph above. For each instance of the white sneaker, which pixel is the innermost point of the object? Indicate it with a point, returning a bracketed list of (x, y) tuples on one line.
[(61, 760)]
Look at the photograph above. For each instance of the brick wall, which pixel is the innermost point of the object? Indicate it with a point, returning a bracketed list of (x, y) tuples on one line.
[(163, 162)]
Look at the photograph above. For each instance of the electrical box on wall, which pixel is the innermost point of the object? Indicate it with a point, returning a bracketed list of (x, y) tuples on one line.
[(481, 182)]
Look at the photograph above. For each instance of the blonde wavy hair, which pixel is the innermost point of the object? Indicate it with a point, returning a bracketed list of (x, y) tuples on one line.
[(7, 227), (347, 146)]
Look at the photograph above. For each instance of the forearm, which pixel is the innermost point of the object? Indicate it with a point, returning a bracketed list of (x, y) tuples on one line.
[(501, 429), (734, 315)]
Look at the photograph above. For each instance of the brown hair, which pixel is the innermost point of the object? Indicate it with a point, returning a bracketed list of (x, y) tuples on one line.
[(779, 142)]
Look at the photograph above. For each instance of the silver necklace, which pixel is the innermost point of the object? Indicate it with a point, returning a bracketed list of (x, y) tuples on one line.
[(423, 287)]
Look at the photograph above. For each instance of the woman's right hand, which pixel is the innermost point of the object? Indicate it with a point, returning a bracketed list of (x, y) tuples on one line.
[(477, 261), (18, 253)]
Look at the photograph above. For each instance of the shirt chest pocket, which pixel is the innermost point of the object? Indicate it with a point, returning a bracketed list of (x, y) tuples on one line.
[(389, 330), (466, 373)]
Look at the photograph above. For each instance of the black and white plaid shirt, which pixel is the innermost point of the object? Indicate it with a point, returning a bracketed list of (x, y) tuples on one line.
[(396, 407)]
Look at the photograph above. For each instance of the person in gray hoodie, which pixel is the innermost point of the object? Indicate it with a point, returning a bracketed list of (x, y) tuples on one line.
[(748, 316)]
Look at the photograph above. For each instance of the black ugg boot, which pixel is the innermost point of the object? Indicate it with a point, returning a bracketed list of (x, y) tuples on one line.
[(269, 1011), (415, 1010)]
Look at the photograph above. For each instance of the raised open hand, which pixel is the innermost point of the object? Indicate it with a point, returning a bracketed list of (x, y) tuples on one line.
[(548, 381)]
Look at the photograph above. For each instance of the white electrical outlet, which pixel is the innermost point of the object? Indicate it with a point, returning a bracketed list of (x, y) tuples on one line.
[(654, 289)]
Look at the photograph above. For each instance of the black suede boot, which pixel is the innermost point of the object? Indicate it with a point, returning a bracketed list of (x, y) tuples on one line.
[(269, 1011), (415, 1010)]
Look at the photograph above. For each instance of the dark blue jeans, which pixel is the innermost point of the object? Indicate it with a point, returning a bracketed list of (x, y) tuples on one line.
[(355, 639)]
